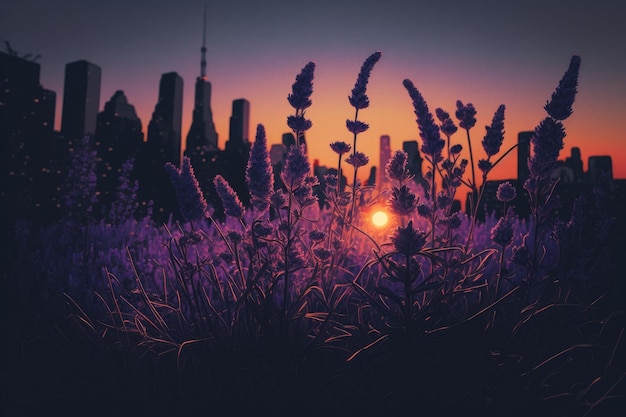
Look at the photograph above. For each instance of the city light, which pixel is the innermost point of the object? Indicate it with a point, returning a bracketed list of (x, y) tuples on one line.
[(380, 218)]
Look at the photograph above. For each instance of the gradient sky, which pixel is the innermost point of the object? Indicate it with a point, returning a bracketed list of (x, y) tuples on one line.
[(484, 52)]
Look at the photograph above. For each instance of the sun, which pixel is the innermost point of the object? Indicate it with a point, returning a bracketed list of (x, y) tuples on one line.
[(380, 218)]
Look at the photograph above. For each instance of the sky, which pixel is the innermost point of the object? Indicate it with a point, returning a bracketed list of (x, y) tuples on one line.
[(484, 52)]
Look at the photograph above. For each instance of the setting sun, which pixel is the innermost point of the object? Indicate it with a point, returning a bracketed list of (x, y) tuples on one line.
[(380, 219)]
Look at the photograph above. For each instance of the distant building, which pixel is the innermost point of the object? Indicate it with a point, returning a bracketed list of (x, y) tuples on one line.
[(599, 167), (81, 99), (523, 153), (414, 163), (384, 155), (118, 138), (162, 146), (28, 144), (164, 129), (238, 138)]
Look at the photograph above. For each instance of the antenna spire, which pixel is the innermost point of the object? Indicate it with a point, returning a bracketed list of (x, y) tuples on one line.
[(203, 61)]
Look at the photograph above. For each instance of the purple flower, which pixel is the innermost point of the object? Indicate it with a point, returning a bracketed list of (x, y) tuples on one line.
[(317, 235), (407, 240), (495, 133), (443, 200), (234, 236), (298, 123), (358, 159), (425, 210), (301, 90), (296, 169), (560, 105), (402, 201), (191, 201), (456, 149), (230, 201), (466, 115), (432, 144), (277, 199), (359, 99), (547, 142), (304, 194), (263, 228), (506, 192), (448, 127), (340, 147), (396, 167), (259, 175), (323, 254), (502, 232), (485, 166), (453, 221), (356, 126)]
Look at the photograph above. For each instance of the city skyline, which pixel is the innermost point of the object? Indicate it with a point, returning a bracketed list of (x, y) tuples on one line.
[(238, 68)]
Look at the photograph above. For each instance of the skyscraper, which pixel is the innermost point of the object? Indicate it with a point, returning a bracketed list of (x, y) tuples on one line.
[(81, 99), (164, 129), (202, 136), (414, 163), (238, 141), (383, 158), (523, 152), (118, 139), (163, 146)]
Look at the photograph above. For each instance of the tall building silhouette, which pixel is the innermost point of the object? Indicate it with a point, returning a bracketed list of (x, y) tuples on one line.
[(523, 153), (414, 163), (599, 167), (164, 129), (118, 139), (29, 176), (81, 99), (238, 138), (163, 145), (384, 155), (202, 136)]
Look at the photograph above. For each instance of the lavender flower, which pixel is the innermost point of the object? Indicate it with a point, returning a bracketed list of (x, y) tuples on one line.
[(456, 149), (317, 235), (302, 88), (277, 199), (466, 115), (234, 236), (259, 175), (432, 144), (560, 105), (547, 142), (191, 201), (357, 159), (402, 201), (396, 167), (495, 133), (453, 221), (443, 200), (448, 127), (485, 166), (230, 201), (340, 147), (356, 126), (506, 192), (359, 99), (407, 240), (502, 232), (299, 123), (323, 254), (296, 169), (263, 229), (425, 210)]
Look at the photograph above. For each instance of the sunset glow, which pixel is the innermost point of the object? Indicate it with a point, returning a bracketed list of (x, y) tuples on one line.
[(380, 219)]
